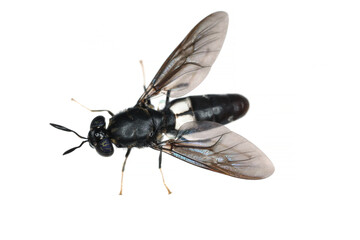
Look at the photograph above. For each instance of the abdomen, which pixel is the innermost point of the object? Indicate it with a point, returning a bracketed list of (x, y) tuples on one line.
[(217, 108)]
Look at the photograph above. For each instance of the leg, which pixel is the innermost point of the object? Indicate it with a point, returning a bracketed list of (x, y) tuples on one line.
[(147, 102), (123, 169), (167, 99), (143, 71), (162, 175), (92, 110)]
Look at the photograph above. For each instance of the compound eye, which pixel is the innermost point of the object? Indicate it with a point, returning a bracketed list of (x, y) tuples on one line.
[(104, 147), (98, 122)]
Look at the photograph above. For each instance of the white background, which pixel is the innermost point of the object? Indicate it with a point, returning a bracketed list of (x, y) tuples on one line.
[(296, 61)]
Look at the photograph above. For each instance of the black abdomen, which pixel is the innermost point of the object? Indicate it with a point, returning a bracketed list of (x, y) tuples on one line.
[(217, 108)]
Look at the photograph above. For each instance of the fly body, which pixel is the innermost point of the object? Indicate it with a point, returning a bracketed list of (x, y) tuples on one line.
[(189, 128)]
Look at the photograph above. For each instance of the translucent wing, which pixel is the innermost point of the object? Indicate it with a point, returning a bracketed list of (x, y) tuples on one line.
[(212, 146), (191, 61)]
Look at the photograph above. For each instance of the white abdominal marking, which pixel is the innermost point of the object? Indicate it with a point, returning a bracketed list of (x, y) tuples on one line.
[(182, 107)]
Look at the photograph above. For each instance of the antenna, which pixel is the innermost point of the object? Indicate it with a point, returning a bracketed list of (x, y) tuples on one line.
[(69, 130)]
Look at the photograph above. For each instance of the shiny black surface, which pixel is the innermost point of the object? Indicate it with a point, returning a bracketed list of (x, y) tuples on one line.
[(189, 128), (136, 127)]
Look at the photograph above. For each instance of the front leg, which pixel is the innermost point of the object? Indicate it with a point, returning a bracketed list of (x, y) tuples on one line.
[(123, 169), (108, 111)]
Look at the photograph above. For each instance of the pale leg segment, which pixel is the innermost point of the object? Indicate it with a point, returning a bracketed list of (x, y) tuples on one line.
[(123, 169), (162, 175), (93, 110)]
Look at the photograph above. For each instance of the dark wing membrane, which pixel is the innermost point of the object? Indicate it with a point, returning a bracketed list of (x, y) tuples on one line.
[(191, 61), (212, 146)]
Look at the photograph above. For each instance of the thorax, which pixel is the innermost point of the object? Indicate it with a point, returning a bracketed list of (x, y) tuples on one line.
[(135, 127)]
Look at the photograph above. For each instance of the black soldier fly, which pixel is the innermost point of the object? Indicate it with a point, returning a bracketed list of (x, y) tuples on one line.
[(189, 128)]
